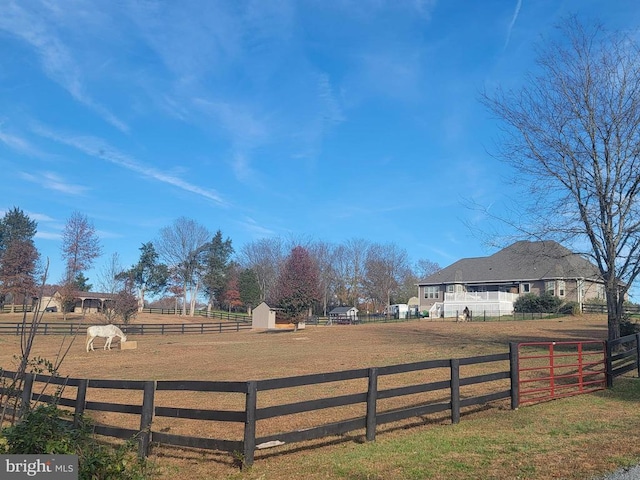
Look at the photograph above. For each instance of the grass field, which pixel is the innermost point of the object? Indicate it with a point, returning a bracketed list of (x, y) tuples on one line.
[(575, 438)]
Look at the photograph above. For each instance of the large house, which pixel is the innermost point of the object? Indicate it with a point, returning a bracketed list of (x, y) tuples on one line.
[(491, 284)]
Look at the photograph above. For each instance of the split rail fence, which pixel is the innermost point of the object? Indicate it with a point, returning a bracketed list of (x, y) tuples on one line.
[(54, 328), (450, 387)]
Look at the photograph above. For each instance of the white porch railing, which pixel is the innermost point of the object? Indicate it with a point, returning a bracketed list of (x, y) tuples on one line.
[(479, 303), (480, 297)]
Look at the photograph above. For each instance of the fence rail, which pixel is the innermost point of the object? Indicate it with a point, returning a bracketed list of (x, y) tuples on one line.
[(132, 329), (595, 308), (229, 316), (452, 388)]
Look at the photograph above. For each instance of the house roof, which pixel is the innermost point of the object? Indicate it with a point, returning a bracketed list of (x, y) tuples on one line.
[(522, 261)]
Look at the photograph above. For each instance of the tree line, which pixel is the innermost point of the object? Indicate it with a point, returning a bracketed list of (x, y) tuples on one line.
[(186, 267)]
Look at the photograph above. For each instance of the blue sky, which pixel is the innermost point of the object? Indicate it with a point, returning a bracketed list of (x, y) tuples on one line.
[(322, 119)]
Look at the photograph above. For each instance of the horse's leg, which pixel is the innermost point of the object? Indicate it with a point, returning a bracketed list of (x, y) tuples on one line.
[(107, 344), (89, 342)]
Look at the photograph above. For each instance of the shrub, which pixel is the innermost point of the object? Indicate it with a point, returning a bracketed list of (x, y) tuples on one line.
[(628, 327), (532, 303), (569, 308), (45, 430)]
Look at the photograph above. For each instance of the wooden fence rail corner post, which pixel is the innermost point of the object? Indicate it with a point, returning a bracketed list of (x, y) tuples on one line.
[(146, 418), (372, 398), (609, 363), (514, 368), (455, 390), (81, 397), (638, 353), (249, 443)]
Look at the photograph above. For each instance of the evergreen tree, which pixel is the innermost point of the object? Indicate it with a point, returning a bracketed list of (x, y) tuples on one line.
[(216, 256), (148, 275), (249, 288), (16, 225)]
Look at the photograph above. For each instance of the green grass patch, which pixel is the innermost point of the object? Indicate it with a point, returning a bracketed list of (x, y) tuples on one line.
[(556, 439)]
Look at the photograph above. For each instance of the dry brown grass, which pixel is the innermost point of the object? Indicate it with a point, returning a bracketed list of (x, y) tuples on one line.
[(252, 355)]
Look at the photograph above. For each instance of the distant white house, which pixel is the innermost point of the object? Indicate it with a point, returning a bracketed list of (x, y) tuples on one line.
[(343, 315), (398, 310)]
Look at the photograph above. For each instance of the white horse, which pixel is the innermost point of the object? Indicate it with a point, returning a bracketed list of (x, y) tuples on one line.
[(104, 331)]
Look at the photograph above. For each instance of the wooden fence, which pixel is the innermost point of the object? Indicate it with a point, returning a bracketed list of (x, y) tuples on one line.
[(229, 316), (132, 329), (595, 308), (454, 387)]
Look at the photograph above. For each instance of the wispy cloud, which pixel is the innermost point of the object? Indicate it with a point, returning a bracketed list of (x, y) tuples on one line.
[(52, 181), (48, 235), (98, 148), (514, 18), (332, 110), (18, 144), (57, 60), (255, 228)]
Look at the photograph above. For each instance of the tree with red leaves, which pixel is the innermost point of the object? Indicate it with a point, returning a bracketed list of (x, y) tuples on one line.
[(231, 294), (297, 287)]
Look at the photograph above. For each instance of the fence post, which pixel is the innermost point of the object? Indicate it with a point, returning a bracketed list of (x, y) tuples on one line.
[(638, 352), (249, 444), (455, 390), (372, 398), (146, 418), (514, 368), (81, 396), (609, 363), (27, 387)]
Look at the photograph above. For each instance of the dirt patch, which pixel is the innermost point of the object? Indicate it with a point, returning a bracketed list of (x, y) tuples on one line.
[(256, 355)]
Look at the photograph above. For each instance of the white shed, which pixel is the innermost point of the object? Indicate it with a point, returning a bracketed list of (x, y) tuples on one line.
[(263, 316)]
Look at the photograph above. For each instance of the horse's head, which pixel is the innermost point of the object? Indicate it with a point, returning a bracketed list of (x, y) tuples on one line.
[(123, 338)]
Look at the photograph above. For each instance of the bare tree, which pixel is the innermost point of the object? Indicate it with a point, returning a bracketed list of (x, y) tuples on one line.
[(80, 248), (180, 246), (424, 268), (572, 134), (384, 270), (264, 257), (111, 281), (80, 245), (323, 254)]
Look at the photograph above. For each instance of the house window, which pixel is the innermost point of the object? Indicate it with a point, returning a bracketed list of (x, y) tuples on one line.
[(550, 287), (431, 292), (525, 288), (561, 288), (450, 288)]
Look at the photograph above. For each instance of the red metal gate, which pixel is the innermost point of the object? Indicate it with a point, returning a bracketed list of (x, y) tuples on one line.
[(548, 370)]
